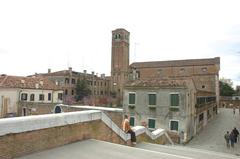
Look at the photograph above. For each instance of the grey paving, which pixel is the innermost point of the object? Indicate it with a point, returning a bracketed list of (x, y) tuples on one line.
[(211, 138), (92, 149), (186, 151)]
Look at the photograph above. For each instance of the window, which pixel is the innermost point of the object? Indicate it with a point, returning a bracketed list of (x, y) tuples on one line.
[(182, 70), (60, 96), (41, 97), (151, 99), (203, 86), (174, 125), (151, 123), (132, 121), (66, 92), (174, 99), (49, 96), (66, 80), (24, 96), (73, 81), (201, 117), (138, 74), (131, 98), (32, 96), (72, 92), (101, 92)]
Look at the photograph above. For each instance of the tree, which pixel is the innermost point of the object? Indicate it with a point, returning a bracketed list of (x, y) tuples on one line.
[(82, 90), (226, 88)]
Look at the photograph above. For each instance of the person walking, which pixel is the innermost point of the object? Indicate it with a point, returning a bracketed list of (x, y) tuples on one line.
[(232, 139), (234, 110), (236, 133), (227, 138), (127, 129)]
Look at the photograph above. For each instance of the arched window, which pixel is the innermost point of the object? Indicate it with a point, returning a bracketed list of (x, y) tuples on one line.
[(32, 96)]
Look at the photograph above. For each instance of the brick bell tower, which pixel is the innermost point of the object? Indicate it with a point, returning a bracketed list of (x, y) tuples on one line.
[(120, 61)]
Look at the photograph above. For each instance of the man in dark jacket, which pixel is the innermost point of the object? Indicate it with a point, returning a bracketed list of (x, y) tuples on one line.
[(236, 133)]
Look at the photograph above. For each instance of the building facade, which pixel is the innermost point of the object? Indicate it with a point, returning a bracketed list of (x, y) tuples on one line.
[(20, 94), (67, 80), (171, 104), (166, 103)]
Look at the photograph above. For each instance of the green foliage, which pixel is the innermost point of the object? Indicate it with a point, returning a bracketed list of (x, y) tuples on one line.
[(82, 90), (226, 89)]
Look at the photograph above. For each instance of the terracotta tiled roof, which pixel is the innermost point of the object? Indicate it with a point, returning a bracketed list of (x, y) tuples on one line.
[(180, 63), (205, 93), (27, 83), (58, 73), (158, 83)]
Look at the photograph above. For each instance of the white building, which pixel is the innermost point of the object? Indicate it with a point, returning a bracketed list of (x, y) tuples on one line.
[(29, 90)]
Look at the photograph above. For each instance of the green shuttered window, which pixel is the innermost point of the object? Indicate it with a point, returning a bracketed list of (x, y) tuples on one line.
[(132, 121), (152, 99), (131, 98), (151, 123), (174, 125), (174, 99)]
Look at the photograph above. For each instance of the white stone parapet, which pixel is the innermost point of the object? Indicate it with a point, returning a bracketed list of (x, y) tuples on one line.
[(94, 108), (37, 122)]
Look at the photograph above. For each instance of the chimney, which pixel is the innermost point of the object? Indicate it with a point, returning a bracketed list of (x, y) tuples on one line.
[(22, 81), (103, 75), (92, 72), (49, 70), (85, 71), (70, 70)]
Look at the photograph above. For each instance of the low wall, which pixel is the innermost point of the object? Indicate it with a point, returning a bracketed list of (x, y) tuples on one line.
[(25, 135), (228, 103), (116, 114)]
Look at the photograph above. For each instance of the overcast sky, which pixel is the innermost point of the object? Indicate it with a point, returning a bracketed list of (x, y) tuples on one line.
[(39, 34)]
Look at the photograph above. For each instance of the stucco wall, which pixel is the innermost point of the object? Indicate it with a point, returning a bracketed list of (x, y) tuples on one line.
[(11, 96)]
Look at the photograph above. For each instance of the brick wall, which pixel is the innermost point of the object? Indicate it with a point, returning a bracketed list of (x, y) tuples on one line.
[(116, 117), (229, 103), (20, 144), (36, 108)]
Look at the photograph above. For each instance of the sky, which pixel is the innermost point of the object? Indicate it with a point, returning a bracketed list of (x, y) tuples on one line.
[(39, 34)]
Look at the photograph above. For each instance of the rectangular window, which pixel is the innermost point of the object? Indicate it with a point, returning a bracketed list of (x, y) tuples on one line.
[(41, 97), (201, 117), (32, 97), (73, 81), (132, 121), (174, 125), (72, 92), (49, 96), (152, 99), (174, 99), (66, 80), (24, 96), (131, 98), (60, 96), (151, 123)]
